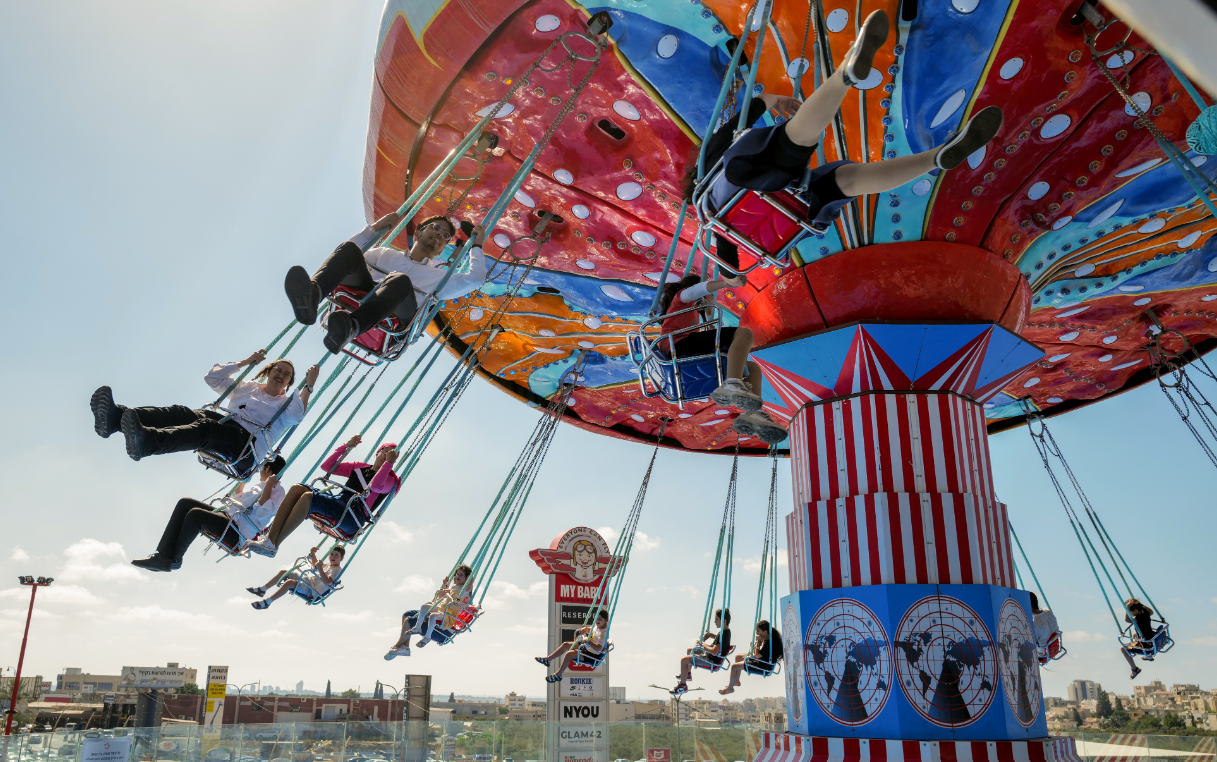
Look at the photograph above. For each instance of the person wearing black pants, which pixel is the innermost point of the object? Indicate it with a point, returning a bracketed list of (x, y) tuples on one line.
[(392, 278), (232, 526), (160, 430)]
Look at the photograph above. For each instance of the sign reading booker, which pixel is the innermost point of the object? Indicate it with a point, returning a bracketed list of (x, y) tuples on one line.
[(153, 677)]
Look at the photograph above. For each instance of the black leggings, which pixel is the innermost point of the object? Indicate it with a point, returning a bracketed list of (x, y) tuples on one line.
[(190, 517), (394, 295), (702, 342)]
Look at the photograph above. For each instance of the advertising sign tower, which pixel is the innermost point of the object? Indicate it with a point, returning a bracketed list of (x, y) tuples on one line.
[(577, 707)]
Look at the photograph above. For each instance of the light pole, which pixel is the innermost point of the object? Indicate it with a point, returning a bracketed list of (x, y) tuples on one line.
[(396, 693), (33, 585)]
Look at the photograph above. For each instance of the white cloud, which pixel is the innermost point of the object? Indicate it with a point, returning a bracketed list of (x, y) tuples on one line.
[(512, 590), (1081, 636), (416, 583), (689, 589), (155, 613), (19, 555), (642, 541), (95, 561), (360, 616), (1204, 640), (396, 532), (753, 565), (20, 614), (56, 593)]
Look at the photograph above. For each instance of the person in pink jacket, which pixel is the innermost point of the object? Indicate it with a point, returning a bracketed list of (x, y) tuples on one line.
[(337, 509)]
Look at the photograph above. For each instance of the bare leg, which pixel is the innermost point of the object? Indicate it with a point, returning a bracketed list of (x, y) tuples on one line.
[(880, 176), (566, 660), (404, 638), (285, 510), (293, 519), (814, 115), (275, 579), (734, 678), (560, 649), (686, 668), (283, 590), (1132, 665), (737, 355)]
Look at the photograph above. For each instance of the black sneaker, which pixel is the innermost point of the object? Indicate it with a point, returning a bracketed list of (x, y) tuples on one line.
[(858, 61), (156, 563), (107, 417), (341, 329), (979, 130), (303, 294), (135, 434)]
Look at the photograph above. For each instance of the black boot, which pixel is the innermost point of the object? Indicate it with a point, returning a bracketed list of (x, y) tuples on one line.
[(341, 329), (136, 435), (107, 417), (303, 293), (157, 563)]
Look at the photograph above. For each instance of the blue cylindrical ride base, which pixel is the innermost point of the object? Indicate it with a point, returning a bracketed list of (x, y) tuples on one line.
[(923, 662)]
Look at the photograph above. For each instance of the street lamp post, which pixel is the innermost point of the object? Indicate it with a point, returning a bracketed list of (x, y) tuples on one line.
[(33, 585), (396, 693)]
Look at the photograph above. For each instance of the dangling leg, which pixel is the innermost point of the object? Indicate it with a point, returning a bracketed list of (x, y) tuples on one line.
[(1131, 664), (287, 586), (293, 519), (881, 176), (560, 649), (805, 127)]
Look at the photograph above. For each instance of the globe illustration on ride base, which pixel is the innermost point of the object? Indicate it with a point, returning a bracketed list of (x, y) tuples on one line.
[(1019, 669), (848, 661), (947, 664), (793, 645)]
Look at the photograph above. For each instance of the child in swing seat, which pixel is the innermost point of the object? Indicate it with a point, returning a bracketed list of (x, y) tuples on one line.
[(589, 643), (714, 650), (322, 579), (1143, 634), (436, 619)]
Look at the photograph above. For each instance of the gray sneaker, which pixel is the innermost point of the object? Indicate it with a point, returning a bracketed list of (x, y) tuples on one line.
[(759, 424), (735, 393), (979, 130), (857, 64)]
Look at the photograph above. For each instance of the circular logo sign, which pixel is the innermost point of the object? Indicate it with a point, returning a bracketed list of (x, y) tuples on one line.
[(1020, 671), (945, 661), (794, 692), (848, 661)]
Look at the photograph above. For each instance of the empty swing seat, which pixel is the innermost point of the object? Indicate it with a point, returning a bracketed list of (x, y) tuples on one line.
[(676, 379), (383, 343)]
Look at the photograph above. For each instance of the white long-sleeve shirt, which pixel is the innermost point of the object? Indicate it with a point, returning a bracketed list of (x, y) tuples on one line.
[(251, 519), (427, 274), (1045, 626), (254, 407)]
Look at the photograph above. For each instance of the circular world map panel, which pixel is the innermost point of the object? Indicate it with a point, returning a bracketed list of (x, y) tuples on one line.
[(1019, 669), (946, 662), (847, 661)]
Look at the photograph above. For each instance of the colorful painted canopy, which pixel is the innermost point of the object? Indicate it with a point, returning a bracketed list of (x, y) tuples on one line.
[(1073, 190)]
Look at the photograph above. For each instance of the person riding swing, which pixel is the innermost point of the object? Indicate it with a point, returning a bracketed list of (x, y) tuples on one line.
[(589, 645), (712, 651), (766, 653)]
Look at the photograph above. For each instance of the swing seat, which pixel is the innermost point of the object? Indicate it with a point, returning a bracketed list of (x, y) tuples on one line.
[(356, 518), (239, 468), (308, 586), (1051, 651), (676, 379), (703, 659), (383, 343), (590, 660), (764, 225), (222, 539), (464, 621), (1147, 649), (761, 668)]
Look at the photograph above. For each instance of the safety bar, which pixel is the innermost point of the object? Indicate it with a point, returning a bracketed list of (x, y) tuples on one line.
[(649, 355)]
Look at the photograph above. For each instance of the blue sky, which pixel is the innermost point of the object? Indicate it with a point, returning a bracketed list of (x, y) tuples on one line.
[(161, 166)]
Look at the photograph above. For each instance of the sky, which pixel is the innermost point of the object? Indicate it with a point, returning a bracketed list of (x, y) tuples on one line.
[(161, 166)]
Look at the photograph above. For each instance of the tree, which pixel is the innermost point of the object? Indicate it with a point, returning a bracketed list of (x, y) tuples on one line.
[(1077, 717), (1119, 704), (1117, 720), (350, 693), (452, 697), (190, 689), (1173, 721), (1104, 709), (1149, 722)]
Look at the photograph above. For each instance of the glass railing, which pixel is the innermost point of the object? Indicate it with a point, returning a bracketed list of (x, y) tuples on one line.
[(478, 741), (1130, 747)]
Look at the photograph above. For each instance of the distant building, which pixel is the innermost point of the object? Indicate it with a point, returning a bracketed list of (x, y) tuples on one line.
[(299, 686), (616, 693), (1083, 690), (515, 701)]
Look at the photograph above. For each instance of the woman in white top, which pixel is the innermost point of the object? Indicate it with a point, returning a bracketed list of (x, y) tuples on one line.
[(389, 276), (319, 580), (1044, 622), (233, 526), (160, 430)]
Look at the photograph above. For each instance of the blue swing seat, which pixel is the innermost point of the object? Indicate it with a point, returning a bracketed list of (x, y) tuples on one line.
[(703, 659), (584, 657), (309, 588), (762, 668), (1147, 649), (676, 379)]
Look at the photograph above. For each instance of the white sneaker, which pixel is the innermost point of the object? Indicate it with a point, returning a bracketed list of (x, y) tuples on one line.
[(735, 393), (395, 652), (759, 424), (263, 547), (858, 61)]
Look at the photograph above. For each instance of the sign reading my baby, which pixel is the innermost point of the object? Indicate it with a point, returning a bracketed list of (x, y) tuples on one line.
[(575, 563)]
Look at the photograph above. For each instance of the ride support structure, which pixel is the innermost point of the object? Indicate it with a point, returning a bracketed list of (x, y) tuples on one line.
[(905, 626)]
